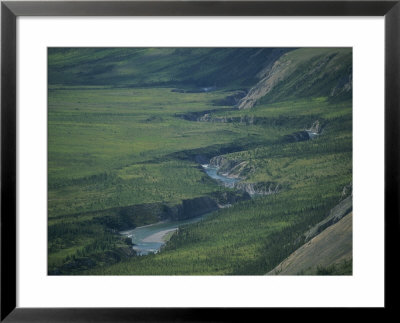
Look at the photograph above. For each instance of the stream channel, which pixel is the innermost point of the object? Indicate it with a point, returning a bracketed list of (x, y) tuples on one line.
[(150, 238)]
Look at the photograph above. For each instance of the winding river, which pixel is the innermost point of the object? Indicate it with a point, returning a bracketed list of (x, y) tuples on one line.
[(150, 238), (213, 173)]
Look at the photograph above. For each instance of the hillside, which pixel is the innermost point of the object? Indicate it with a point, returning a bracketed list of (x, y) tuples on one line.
[(305, 72), (329, 250), (130, 131), (193, 68)]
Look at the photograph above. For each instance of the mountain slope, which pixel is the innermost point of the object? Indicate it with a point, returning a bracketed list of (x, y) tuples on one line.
[(302, 73), (332, 246), (189, 67), (269, 74)]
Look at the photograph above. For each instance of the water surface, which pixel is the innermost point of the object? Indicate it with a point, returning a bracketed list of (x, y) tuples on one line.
[(311, 134), (213, 173), (150, 238)]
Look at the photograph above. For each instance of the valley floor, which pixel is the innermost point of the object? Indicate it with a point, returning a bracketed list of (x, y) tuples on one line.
[(129, 155)]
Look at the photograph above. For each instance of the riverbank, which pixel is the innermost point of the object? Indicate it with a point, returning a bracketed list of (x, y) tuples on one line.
[(224, 180), (150, 238), (159, 237)]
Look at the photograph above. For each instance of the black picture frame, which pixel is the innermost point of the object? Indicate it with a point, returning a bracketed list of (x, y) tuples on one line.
[(10, 10)]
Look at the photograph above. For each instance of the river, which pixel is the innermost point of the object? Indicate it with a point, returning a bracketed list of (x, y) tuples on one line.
[(311, 134), (213, 173), (150, 238)]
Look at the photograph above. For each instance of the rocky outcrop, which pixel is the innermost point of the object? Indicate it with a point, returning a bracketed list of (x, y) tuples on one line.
[(270, 77), (191, 208), (306, 134), (311, 74), (224, 164), (337, 213), (260, 188), (205, 118), (332, 247), (328, 243), (344, 86), (347, 191), (241, 169), (231, 168), (315, 127)]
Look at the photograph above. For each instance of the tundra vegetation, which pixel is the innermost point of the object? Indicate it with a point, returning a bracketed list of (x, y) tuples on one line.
[(128, 130)]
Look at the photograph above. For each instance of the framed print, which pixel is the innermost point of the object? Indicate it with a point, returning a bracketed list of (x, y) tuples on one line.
[(168, 160)]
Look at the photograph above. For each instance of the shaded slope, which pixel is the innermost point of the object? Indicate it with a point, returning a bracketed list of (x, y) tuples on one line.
[(331, 246), (195, 67)]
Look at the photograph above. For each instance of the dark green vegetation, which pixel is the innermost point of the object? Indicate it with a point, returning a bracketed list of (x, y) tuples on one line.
[(344, 268), (324, 249), (148, 67), (129, 128)]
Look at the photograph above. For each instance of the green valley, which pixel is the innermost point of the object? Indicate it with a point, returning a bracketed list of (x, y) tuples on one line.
[(131, 131)]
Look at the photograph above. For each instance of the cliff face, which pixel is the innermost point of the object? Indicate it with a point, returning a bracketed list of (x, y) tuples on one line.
[(195, 207), (205, 204), (260, 188), (315, 127), (130, 217), (241, 169), (224, 164), (312, 132), (231, 168)]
